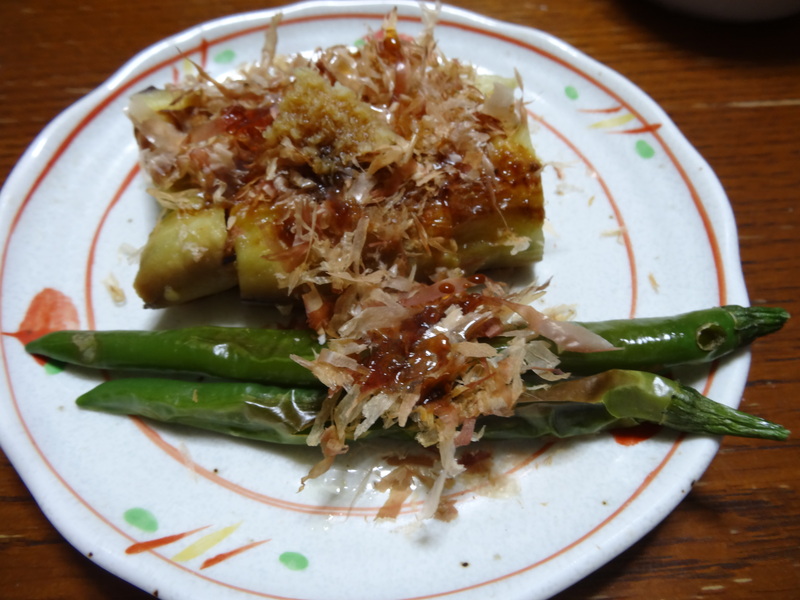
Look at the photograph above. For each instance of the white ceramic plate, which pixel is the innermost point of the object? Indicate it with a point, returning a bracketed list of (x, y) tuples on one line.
[(637, 225)]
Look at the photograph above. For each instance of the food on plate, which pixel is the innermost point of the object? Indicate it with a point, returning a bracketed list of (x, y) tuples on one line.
[(301, 175), (372, 183), (248, 354), (376, 185), (505, 383), (610, 400), (264, 355)]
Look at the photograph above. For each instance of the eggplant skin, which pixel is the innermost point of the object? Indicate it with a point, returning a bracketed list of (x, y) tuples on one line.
[(185, 258)]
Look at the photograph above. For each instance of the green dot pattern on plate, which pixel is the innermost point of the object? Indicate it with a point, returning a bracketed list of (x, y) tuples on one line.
[(571, 92), (294, 561), (644, 149), (142, 519), (226, 56)]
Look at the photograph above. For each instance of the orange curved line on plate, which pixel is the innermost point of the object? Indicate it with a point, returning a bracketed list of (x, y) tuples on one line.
[(300, 507), (605, 111), (614, 208), (103, 519), (710, 234), (644, 485), (722, 288), (204, 53), (218, 558), (712, 371), (114, 95), (644, 129), (87, 282), (177, 455), (544, 448), (140, 547)]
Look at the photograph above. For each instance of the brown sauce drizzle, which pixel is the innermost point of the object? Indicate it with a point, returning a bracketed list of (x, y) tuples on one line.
[(410, 358)]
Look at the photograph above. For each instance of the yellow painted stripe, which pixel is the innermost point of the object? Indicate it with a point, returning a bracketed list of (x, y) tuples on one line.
[(204, 544), (613, 121)]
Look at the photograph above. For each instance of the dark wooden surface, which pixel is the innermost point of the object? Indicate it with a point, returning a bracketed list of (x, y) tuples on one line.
[(734, 90)]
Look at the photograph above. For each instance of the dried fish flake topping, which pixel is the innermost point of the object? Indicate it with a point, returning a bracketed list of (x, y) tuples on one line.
[(378, 162)]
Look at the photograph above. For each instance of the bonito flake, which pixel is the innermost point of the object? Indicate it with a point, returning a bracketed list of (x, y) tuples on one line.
[(302, 175)]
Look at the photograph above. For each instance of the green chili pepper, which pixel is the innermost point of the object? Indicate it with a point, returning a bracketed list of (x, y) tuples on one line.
[(263, 355), (249, 410), (619, 398), (576, 407), (694, 337), (257, 355)]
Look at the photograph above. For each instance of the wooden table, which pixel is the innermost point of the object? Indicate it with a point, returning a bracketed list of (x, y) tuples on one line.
[(734, 91)]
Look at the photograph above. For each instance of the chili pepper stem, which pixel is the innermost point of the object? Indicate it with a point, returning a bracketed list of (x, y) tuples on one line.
[(755, 321), (689, 409), (654, 398)]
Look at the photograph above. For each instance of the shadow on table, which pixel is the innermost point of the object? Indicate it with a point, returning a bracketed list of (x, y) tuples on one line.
[(772, 41)]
